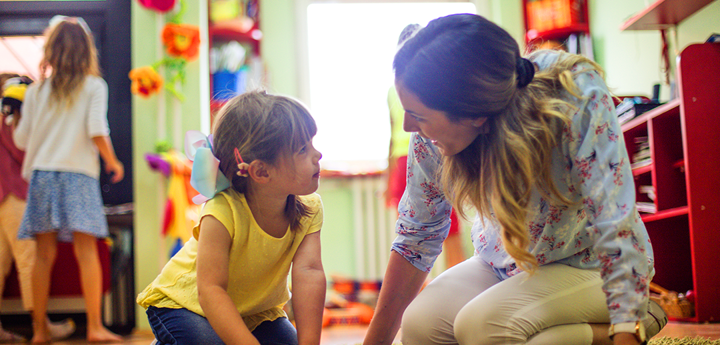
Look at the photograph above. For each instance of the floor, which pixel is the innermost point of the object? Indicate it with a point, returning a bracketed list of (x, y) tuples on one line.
[(353, 335)]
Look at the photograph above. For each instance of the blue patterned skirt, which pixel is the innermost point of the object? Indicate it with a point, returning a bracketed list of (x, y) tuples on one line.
[(63, 202)]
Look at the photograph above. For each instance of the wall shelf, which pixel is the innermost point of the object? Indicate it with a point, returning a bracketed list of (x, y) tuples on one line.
[(663, 14)]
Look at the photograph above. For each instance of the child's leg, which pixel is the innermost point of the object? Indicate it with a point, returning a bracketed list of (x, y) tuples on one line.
[(280, 331), (44, 260), (86, 253), (181, 327)]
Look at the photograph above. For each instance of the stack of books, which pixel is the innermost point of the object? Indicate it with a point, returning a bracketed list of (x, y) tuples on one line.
[(631, 108), (649, 190), (641, 157)]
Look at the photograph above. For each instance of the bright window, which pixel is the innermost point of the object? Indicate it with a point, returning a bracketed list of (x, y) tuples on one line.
[(21, 55), (349, 59)]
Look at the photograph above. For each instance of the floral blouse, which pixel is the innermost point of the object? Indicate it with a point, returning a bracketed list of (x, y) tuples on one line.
[(601, 229)]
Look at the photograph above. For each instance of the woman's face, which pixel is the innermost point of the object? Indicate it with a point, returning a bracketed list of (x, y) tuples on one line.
[(450, 137)]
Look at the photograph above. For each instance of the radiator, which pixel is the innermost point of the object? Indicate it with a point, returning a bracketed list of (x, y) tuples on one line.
[(374, 226)]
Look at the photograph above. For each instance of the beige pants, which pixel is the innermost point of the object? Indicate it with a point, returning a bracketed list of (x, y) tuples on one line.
[(12, 249), (468, 304)]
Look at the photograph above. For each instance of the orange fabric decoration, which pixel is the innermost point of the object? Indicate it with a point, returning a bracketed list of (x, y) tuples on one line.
[(145, 81), (181, 40)]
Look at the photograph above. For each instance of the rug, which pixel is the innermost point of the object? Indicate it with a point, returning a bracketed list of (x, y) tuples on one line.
[(683, 341)]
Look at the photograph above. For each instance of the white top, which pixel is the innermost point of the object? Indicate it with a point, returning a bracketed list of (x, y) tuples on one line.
[(57, 139)]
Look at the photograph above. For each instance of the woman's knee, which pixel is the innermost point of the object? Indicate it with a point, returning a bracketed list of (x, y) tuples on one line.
[(424, 323)]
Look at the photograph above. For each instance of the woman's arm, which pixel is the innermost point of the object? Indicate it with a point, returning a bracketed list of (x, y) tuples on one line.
[(309, 285), (112, 164), (212, 280), (401, 284)]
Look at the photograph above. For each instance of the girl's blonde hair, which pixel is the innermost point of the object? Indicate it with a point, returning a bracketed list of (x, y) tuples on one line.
[(71, 55), (262, 127), (466, 66)]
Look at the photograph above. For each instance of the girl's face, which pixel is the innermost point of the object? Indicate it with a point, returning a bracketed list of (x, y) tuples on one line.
[(301, 175), (450, 137)]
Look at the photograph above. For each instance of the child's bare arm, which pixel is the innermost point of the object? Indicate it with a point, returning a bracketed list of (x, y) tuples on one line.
[(308, 284), (112, 164), (212, 279)]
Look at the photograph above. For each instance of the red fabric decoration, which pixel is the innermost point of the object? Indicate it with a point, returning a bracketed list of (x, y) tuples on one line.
[(161, 6)]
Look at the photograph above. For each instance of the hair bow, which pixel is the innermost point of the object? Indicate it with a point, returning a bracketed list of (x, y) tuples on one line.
[(206, 176)]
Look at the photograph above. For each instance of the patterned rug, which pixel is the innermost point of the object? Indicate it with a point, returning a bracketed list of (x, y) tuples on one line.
[(683, 341)]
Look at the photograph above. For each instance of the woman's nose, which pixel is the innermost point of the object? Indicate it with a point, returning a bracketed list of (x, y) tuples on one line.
[(409, 124)]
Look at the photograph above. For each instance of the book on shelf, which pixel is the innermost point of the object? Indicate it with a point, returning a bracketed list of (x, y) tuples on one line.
[(646, 207), (640, 164), (631, 108), (649, 190), (641, 157)]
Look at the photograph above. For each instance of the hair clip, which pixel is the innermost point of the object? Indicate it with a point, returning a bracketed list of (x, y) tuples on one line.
[(78, 20), (242, 166)]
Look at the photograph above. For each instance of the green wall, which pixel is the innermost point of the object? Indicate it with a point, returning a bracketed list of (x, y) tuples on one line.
[(150, 187), (630, 59)]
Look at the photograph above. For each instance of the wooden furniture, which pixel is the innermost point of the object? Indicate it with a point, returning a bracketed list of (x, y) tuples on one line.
[(237, 30), (684, 139), (554, 20), (663, 14)]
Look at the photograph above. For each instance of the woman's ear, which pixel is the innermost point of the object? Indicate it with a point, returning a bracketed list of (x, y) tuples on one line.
[(258, 171)]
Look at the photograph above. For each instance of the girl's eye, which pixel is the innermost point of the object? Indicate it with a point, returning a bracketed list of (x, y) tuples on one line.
[(303, 149)]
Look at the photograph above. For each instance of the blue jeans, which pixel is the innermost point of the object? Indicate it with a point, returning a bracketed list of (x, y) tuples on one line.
[(181, 326)]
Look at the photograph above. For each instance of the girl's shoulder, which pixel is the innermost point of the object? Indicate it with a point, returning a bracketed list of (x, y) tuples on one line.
[(313, 201), (94, 82)]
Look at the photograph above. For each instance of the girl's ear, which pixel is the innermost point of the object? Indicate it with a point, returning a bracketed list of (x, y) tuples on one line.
[(258, 171)]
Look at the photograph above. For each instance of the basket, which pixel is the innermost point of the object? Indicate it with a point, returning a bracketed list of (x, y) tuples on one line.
[(675, 305)]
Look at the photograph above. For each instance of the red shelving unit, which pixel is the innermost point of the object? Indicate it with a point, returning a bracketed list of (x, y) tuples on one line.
[(685, 175), (538, 26), (233, 30), (663, 14)]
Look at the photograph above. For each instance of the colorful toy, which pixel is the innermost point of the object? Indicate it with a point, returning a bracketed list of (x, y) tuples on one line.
[(13, 96)]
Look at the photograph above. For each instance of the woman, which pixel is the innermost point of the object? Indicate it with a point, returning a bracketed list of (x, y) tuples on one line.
[(561, 254)]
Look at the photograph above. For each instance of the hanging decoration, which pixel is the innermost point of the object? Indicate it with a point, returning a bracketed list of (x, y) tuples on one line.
[(182, 43), (145, 81), (181, 40), (161, 6)]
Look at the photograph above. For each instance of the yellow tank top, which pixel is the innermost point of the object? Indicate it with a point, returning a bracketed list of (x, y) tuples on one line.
[(258, 268)]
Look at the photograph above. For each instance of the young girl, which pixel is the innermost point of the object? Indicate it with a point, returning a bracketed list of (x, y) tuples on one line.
[(533, 144), (13, 192), (228, 284), (63, 126)]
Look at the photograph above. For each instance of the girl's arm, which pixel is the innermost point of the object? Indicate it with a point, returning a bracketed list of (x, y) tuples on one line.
[(212, 279), (309, 285), (400, 286), (112, 164)]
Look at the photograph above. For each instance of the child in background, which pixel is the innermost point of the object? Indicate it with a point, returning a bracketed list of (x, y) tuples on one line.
[(228, 284), (64, 125), (13, 191)]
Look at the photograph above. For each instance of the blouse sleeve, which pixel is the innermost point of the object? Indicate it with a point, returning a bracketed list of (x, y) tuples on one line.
[(424, 214), (97, 125), (601, 169)]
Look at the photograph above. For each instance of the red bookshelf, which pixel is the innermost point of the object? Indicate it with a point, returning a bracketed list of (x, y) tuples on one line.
[(663, 14), (684, 145)]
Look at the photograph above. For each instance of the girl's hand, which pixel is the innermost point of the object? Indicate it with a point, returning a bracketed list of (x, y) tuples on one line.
[(116, 169)]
